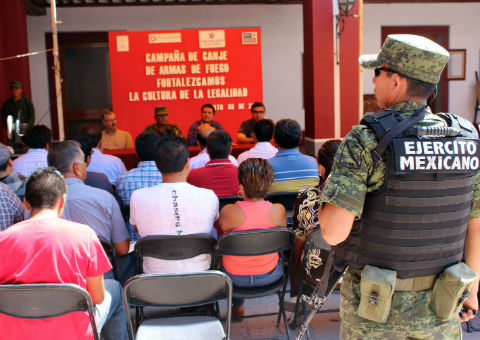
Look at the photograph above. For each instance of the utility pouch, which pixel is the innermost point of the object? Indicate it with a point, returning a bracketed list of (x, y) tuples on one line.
[(451, 288), (376, 288)]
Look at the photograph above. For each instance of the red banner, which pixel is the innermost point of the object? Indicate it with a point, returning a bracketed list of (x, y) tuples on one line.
[(182, 70)]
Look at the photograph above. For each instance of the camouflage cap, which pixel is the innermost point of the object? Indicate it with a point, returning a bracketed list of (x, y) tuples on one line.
[(16, 84), (161, 110), (411, 55)]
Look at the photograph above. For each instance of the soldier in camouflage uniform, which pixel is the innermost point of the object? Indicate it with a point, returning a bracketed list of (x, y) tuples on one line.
[(405, 63)]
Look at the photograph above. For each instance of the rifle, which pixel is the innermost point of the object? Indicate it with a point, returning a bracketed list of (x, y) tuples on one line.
[(327, 281)]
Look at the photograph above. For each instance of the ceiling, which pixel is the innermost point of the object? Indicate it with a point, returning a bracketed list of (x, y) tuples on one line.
[(38, 7)]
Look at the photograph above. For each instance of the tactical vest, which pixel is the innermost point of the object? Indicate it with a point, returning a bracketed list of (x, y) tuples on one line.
[(416, 223)]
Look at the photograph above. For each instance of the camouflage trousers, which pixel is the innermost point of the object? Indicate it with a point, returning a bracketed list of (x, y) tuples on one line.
[(410, 317)]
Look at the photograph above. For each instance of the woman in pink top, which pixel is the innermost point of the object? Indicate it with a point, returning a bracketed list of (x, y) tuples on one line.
[(255, 176)]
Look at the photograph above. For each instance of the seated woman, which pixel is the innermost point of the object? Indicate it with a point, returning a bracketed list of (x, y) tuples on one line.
[(305, 218), (255, 176)]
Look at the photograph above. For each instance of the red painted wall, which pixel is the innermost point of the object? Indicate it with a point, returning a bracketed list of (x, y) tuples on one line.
[(349, 73), (13, 41), (318, 68)]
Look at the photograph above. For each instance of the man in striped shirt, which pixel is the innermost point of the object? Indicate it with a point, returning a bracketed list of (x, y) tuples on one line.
[(292, 169)]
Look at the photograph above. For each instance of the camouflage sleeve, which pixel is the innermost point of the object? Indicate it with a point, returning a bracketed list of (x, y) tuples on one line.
[(475, 208), (352, 171)]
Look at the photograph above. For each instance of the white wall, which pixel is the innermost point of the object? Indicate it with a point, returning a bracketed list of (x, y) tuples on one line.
[(464, 33), (282, 43)]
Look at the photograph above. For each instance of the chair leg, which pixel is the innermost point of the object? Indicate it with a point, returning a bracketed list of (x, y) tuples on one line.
[(281, 302), (298, 301), (304, 309)]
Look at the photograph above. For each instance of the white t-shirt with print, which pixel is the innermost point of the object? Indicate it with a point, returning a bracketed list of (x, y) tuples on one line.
[(174, 209)]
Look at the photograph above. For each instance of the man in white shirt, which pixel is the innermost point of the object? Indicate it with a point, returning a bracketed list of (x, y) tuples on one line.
[(109, 165), (262, 133), (38, 141), (173, 207), (203, 157)]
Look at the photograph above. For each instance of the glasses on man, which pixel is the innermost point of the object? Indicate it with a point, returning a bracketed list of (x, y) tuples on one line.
[(377, 71), (259, 111)]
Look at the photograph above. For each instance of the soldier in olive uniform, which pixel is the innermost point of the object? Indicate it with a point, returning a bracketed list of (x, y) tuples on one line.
[(391, 204)]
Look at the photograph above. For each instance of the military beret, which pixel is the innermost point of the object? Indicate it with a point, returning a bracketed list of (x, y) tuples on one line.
[(411, 55)]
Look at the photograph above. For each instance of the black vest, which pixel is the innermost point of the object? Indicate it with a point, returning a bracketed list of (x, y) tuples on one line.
[(416, 224)]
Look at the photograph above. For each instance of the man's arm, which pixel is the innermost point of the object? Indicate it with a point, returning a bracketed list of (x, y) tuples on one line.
[(242, 138), (335, 223), (472, 259), (122, 247), (96, 288)]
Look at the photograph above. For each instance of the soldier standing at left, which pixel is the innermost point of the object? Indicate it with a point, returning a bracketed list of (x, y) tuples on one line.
[(19, 107)]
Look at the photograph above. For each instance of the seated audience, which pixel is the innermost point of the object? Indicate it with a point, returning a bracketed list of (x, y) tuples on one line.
[(202, 158), (292, 169), (255, 176), (208, 113), (37, 139), (94, 179), (173, 207), (219, 174), (48, 249), (305, 218), (161, 124), (14, 180), (85, 204), (11, 208), (245, 132), (262, 134), (145, 175), (113, 138), (109, 165)]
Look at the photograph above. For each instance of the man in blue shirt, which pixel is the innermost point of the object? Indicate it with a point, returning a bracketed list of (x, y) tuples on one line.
[(292, 169)]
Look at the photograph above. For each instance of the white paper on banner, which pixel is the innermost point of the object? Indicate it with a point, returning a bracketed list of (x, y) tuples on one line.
[(249, 38), (163, 38), (122, 43), (211, 39)]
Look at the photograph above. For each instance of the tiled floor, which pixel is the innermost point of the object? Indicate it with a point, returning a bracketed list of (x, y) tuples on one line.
[(325, 325)]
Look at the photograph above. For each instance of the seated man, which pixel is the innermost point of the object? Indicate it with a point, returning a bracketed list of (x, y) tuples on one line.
[(292, 170), (219, 174), (161, 123), (113, 138), (202, 157), (85, 204), (109, 165), (262, 134), (11, 208), (37, 139), (173, 207), (145, 175), (246, 128), (48, 249), (94, 179), (14, 180), (208, 113)]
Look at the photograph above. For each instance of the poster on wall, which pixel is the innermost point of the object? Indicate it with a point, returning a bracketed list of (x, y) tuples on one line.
[(182, 70)]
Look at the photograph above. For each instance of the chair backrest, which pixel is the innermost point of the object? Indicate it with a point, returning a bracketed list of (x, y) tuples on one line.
[(173, 247), (45, 300), (287, 199), (179, 290), (255, 242), (224, 200)]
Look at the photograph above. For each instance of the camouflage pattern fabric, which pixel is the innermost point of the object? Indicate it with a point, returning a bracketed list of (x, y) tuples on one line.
[(410, 317), (411, 55), (170, 130), (353, 173)]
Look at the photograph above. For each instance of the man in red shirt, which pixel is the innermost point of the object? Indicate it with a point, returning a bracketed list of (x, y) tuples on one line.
[(48, 249), (219, 174)]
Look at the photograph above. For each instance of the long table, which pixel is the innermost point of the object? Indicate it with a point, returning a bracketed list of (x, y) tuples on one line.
[(130, 158)]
